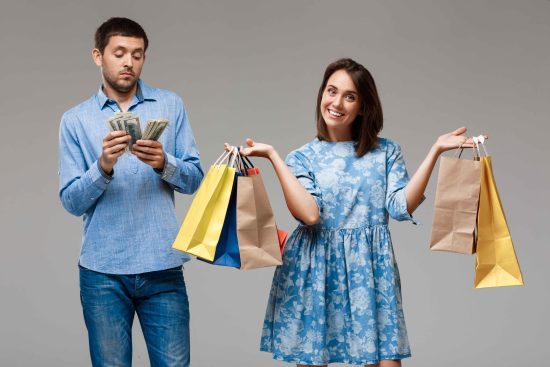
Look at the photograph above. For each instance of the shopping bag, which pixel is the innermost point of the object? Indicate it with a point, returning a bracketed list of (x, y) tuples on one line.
[(282, 234), (202, 226), (256, 230), (456, 202), (496, 263), (227, 249)]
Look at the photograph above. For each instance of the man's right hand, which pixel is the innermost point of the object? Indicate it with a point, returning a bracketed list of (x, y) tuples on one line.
[(113, 147)]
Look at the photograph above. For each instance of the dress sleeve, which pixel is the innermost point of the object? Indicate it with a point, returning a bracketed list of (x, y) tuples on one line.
[(301, 167), (397, 179)]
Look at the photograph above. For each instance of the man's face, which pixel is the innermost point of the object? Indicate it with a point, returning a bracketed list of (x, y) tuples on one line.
[(121, 62)]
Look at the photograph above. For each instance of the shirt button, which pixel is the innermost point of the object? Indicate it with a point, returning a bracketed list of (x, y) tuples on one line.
[(91, 199), (107, 181)]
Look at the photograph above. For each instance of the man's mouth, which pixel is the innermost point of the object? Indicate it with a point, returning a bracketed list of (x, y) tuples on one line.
[(335, 114)]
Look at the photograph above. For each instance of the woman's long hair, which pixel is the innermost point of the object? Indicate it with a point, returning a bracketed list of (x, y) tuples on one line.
[(369, 121)]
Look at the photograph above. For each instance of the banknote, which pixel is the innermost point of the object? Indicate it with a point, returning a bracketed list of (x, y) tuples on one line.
[(129, 122)]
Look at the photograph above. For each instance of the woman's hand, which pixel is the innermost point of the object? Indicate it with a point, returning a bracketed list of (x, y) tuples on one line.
[(298, 200), (256, 149), (454, 140)]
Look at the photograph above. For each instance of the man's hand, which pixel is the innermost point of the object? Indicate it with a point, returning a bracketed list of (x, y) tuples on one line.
[(149, 152), (113, 147)]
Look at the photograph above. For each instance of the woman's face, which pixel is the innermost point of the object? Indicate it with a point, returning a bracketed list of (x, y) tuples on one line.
[(340, 104)]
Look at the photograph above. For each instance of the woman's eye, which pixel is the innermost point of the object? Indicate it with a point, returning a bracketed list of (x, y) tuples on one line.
[(350, 98), (331, 92)]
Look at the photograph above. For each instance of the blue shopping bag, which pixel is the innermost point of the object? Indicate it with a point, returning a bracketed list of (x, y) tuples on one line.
[(227, 249)]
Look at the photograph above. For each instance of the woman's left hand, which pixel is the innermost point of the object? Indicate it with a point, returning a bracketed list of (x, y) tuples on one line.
[(454, 140)]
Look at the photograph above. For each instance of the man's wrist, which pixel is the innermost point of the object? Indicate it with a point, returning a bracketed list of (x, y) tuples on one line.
[(107, 170)]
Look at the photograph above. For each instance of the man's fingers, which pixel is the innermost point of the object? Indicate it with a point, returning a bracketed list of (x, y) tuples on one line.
[(153, 155), (115, 141), (115, 149), (149, 143), (115, 134), (147, 150)]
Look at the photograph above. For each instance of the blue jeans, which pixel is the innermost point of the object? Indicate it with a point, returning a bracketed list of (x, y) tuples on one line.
[(159, 298)]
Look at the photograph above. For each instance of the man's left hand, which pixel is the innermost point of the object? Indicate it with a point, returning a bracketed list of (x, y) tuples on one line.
[(149, 152)]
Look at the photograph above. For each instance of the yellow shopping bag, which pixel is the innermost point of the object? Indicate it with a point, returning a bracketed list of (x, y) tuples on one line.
[(496, 263), (202, 226)]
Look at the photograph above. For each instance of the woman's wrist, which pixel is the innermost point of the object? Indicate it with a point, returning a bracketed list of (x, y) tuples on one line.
[(436, 150), (272, 155)]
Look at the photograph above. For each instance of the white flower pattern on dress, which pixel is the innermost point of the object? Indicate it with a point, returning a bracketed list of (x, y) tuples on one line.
[(337, 296)]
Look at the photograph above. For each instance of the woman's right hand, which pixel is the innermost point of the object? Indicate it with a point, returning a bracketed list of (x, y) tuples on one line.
[(256, 149), (300, 202)]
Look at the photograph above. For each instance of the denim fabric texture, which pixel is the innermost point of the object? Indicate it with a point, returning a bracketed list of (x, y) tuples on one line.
[(129, 218), (337, 296), (109, 302)]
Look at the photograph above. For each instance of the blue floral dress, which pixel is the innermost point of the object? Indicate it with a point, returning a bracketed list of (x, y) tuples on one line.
[(337, 296)]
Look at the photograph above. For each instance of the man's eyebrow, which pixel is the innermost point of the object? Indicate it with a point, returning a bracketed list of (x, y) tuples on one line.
[(120, 47)]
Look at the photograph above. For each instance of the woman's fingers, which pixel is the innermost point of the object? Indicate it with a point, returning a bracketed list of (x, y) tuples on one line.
[(459, 131)]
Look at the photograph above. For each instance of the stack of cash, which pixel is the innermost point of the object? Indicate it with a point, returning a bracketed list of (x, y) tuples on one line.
[(127, 121)]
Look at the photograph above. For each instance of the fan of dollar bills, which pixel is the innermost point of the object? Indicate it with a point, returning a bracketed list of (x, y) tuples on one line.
[(127, 121)]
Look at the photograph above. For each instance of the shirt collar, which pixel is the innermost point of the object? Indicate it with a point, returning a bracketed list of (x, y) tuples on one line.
[(143, 93)]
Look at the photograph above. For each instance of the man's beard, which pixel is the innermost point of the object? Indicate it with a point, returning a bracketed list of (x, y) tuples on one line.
[(115, 84)]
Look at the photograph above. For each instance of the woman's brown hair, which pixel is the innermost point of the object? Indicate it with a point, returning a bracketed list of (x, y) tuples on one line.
[(369, 121)]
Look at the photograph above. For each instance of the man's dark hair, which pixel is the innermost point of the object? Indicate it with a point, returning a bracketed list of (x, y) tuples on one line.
[(369, 121), (118, 27)]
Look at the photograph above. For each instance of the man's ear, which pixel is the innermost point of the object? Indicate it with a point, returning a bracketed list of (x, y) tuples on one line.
[(97, 57)]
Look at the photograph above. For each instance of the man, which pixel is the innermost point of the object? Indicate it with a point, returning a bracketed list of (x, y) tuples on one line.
[(127, 265)]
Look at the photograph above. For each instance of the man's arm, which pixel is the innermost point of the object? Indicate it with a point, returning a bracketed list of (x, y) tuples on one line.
[(181, 171), (79, 186)]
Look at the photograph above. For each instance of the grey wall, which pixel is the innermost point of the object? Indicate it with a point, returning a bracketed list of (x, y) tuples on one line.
[(252, 68)]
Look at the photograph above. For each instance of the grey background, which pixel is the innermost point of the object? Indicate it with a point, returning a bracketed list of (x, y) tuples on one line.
[(252, 68)]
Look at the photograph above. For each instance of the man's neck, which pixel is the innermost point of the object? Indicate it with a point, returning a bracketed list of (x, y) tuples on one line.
[(122, 99)]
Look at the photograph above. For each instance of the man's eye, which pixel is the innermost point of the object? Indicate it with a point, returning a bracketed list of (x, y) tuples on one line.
[(137, 56), (119, 55)]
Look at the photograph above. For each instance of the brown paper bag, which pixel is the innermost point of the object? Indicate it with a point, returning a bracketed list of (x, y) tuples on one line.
[(256, 230), (456, 203), (496, 262)]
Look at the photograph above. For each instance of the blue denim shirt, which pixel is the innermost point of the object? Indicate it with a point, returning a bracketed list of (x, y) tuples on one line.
[(129, 218)]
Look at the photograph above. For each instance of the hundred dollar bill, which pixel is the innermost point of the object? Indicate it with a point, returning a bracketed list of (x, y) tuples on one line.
[(147, 133), (133, 128), (162, 123)]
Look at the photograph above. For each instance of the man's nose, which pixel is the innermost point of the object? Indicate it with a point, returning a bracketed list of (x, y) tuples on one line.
[(128, 61)]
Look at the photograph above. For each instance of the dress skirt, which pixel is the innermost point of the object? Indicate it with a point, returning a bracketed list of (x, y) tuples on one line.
[(336, 299)]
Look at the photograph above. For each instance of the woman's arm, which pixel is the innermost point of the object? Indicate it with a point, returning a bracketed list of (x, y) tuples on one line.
[(414, 191), (299, 201)]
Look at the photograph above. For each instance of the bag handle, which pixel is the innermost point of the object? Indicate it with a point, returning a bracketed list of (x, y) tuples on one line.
[(480, 140), (228, 157), (459, 151), (246, 164), (222, 158)]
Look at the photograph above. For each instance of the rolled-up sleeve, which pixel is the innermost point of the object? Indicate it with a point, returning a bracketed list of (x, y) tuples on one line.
[(301, 168), (397, 179)]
